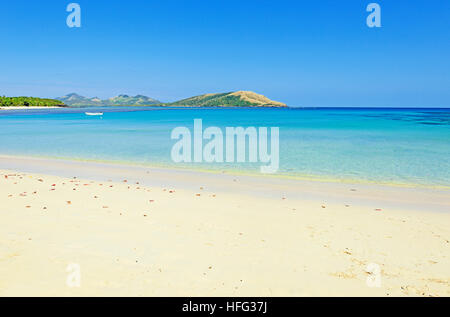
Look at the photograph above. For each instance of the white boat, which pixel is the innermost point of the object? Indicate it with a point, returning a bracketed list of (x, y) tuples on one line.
[(94, 113)]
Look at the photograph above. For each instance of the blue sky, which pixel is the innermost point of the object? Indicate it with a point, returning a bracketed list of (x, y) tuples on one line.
[(304, 53)]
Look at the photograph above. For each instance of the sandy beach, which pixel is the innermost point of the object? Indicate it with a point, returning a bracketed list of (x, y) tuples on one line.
[(140, 231), (28, 108)]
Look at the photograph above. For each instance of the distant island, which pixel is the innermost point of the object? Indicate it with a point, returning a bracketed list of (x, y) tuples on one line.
[(229, 99), (7, 102), (75, 100)]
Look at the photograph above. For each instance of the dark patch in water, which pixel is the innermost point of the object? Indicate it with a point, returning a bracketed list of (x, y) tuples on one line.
[(441, 118), (431, 123)]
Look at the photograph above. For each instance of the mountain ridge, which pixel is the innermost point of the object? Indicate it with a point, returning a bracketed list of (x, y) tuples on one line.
[(74, 100)]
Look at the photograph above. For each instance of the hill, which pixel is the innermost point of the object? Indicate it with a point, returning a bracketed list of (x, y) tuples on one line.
[(29, 102), (230, 99), (139, 100), (75, 100)]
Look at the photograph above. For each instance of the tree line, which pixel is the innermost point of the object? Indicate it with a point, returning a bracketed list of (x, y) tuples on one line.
[(29, 102)]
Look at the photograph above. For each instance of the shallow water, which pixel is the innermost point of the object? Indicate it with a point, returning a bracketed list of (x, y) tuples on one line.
[(402, 146)]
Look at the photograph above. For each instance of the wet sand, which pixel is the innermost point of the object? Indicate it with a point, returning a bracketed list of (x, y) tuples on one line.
[(138, 231)]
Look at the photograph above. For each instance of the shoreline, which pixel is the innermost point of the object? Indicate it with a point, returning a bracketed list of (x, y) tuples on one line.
[(29, 108), (293, 176), (413, 197)]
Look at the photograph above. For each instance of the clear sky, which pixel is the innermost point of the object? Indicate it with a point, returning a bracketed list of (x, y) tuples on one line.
[(304, 53)]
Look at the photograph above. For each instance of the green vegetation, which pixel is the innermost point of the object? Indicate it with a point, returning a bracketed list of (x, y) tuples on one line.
[(230, 99), (29, 102)]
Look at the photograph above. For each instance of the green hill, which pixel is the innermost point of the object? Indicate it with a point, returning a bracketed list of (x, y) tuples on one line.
[(74, 100), (125, 100), (29, 102), (230, 99)]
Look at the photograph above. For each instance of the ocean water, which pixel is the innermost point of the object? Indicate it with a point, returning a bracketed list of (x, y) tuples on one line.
[(396, 146)]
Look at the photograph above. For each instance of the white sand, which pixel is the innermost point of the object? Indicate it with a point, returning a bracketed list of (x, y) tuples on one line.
[(237, 236), (27, 108)]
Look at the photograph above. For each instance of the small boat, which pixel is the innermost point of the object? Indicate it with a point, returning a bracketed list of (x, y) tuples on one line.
[(94, 113)]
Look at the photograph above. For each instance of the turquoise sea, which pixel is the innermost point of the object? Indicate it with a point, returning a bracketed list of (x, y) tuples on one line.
[(397, 146)]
